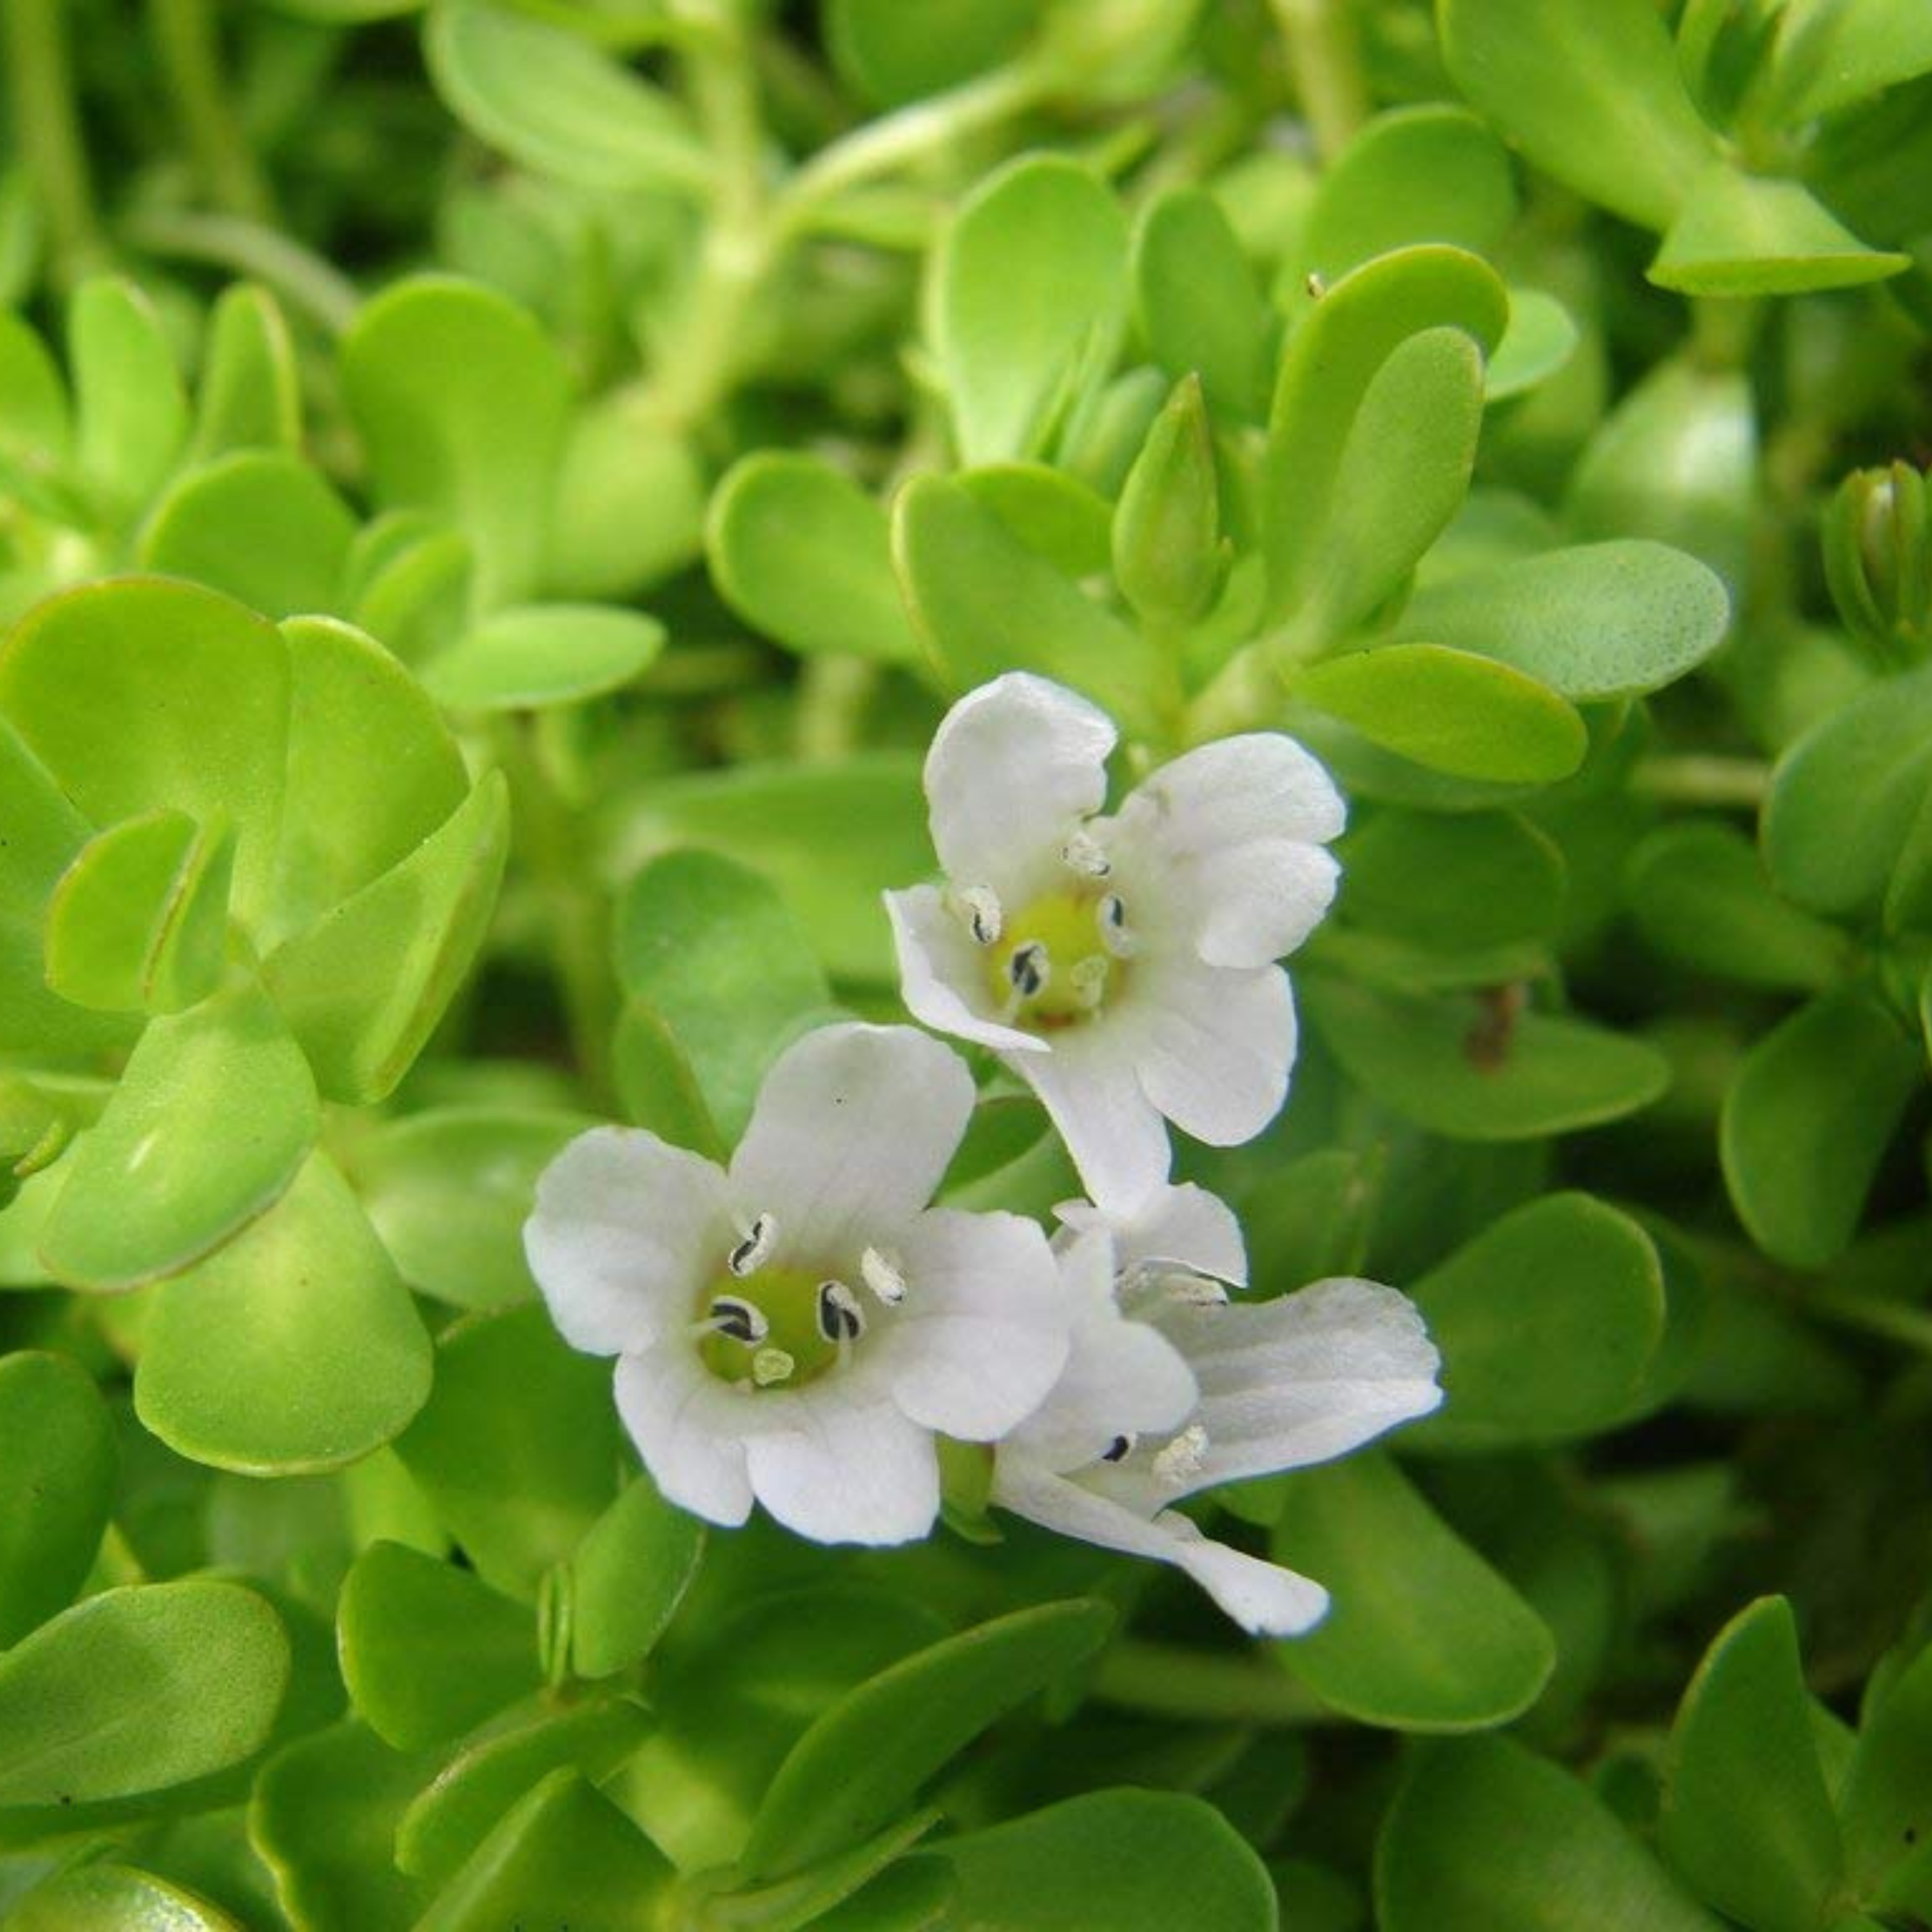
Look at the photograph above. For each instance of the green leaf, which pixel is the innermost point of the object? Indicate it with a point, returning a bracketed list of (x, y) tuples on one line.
[(140, 692), (57, 1463), (1029, 295), (1327, 371), (1199, 305), (862, 1762), (1843, 799), (1548, 1323), (452, 1816), (44, 832), (804, 555), (1699, 894), (1747, 235), (1550, 1853), (36, 428), (557, 106), (1055, 514), (1422, 1635), (1888, 1787), (461, 401), (428, 1651), (891, 56), (295, 1346), (628, 1577), (364, 988), (137, 1689), (1807, 1120), (563, 1856), (1166, 548), (250, 393), (1450, 711), (448, 1191), (114, 1898), (1618, 127), (1468, 884), (257, 524), (518, 1447), (1131, 1860), (1598, 621), (630, 503), (1746, 1818), (212, 1119), (130, 409), (1831, 52), (138, 921), (536, 655), (1540, 339), (1462, 1069), (986, 603)]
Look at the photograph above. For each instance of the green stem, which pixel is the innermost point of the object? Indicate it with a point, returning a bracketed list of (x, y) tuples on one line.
[(1734, 784), (1171, 1680), (189, 47), (306, 280), (1872, 1315), (833, 693), (1324, 55), (40, 85)]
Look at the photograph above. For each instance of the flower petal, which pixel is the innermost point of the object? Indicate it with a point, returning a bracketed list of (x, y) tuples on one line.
[(839, 1470), (942, 973), (983, 1334), (1305, 1377), (1112, 1128), (852, 1129), (1259, 785), (625, 1231), (1261, 1597), (685, 1424), (1186, 1225), (1252, 903), (1014, 767), (1214, 1047)]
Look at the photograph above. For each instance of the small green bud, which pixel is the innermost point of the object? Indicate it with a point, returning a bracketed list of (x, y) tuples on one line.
[(34, 1129), (1878, 559), (1168, 557)]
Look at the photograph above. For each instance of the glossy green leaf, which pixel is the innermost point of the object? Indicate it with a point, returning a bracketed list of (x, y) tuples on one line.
[(630, 503), (804, 555), (57, 1464), (294, 1346), (250, 393), (1053, 512), (1619, 126), (892, 56), (1832, 52), (44, 832), (213, 1117), (518, 1448), (537, 655), (1540, 339), (1198, 302), (1746, 1818), (1888, 1786), (1552, 1853), (1132, 1861), (862, 1761), (628, 1577), (1450, 711), (1421, 1634), (985, 603), (1030, 293), (137, 1689), (36, 423), (130, 410), (1463, 1069), (1750, 234), (1600, 621), (138, 921), (557, 106), (1448, 885), (427, 1651), (116, 1898), (363, 988), (1807, 1120)]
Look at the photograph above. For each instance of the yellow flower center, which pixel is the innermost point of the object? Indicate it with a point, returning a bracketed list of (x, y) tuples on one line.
[(1058, 960), (779, 1328)]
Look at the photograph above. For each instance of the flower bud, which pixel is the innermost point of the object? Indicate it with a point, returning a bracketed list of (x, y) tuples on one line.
[(1878, 559), (1168, 557), (34, 1130)]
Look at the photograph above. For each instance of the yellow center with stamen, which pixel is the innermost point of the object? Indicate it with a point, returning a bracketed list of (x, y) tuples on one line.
[(787, 1298), (1081, 975)]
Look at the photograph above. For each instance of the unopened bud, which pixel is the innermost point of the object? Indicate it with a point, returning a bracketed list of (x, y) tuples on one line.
[(1878, 559)]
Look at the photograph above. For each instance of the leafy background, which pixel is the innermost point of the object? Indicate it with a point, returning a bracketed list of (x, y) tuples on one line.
[(493, 500)]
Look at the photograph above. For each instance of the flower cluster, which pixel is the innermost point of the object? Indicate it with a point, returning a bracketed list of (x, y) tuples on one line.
[(801, 1328)]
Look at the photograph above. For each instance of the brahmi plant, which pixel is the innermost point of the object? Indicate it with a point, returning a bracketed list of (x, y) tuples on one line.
[(965, 964)]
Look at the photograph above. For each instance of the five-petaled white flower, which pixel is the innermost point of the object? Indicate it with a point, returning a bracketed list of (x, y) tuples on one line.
[(1123, 965), (797, 1329), (1172, 1389)]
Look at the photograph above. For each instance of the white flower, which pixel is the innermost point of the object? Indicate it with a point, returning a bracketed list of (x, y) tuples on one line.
[(1124, 966), (1172, 1389), (797, 1329)]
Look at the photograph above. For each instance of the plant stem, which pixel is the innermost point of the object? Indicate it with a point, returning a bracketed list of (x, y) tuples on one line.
[(186, 40), (1872, 1315), (1325, 56), (1169, 1680), (40, 84), (307, 281), (833, 693), (1736, 784)]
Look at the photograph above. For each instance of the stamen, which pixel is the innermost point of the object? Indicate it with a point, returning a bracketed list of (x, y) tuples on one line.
[(755, 1249), (1171, 1282), (1182, 1460), (1030, 969), (883, 1273), (984, 918), (840, 1317), (742, 1320), (1088, 979), (1118, 1450), (1083, 854), (772, 1366), (1110, 913)]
